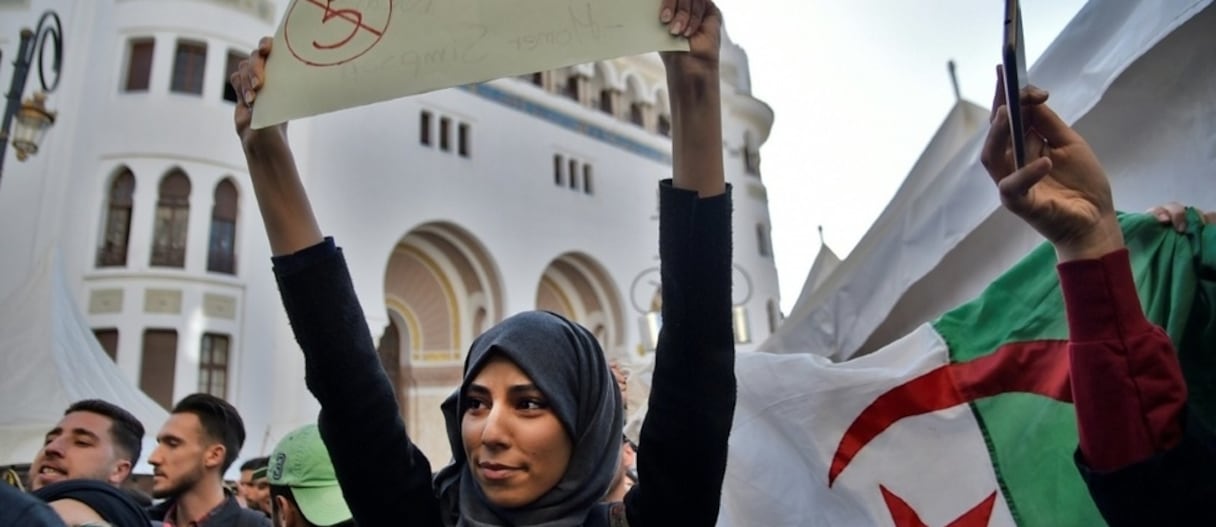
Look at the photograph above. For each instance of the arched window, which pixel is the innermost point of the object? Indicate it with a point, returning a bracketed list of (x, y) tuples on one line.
[(480, 321), (112, 251), (221, 249), (637, 114), (172, 218), (608, 98), (574, 86)]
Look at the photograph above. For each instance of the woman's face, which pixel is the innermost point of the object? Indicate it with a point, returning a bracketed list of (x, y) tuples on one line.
[(516, 446)]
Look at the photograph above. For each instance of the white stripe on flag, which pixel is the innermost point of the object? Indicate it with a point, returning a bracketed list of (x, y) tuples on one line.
[(793, 410)]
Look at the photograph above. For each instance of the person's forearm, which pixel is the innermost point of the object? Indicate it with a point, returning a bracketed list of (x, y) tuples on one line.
[(1126, 381), (1104, 238), (696, 139), (286, 212)]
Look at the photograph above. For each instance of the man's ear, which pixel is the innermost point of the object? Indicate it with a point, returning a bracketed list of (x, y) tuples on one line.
[(214, 455), (120, 471), (285, 513)]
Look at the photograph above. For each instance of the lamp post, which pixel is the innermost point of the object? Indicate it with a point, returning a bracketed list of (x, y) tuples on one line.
[(644, 294), (25, 122)]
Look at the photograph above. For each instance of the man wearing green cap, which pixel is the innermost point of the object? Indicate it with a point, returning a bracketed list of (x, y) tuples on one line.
[(303, 489)]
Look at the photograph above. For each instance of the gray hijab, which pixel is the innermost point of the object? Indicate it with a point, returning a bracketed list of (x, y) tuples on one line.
[(566, 363)]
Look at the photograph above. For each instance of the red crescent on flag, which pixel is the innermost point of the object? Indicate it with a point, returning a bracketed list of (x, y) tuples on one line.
[(1039, 367)]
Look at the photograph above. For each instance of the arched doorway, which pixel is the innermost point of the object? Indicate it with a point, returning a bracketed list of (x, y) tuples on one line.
[(577, 287)]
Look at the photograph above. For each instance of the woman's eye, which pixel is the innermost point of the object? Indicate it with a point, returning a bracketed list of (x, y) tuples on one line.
[(533, 404), (474, 404)]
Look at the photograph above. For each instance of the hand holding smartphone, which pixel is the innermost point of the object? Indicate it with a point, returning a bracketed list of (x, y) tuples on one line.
[(1013, 54)]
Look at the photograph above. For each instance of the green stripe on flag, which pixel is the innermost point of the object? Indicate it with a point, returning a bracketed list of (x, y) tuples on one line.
[(1031, 440), (1031, 437)]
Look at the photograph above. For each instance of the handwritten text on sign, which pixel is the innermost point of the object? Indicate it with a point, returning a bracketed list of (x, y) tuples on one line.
[(335, 54)]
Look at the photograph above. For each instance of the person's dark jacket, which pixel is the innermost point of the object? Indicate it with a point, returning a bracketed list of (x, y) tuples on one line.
[(19, 508), (228, 513), (109, 502), (387, 480)]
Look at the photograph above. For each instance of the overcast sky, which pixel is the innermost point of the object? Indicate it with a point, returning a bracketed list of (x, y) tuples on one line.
[(858, 88)]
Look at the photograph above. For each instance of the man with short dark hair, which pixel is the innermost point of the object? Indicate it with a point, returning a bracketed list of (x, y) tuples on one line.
[(253, 487), (201, 439), (95, 439), (303, 488)]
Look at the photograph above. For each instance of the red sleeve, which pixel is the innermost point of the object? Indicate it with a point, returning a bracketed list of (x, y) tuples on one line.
[(1126, 381)]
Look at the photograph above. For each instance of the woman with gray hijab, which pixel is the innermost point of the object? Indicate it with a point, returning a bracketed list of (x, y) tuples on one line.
[(535, 426)]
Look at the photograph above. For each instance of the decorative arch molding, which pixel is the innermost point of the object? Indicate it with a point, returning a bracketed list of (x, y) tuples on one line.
[(607, 75), (406, 319), (635, 89), (552, 295), (484, 268), (442, 283), (394, 349), (662, 103), (578, 287), (586, 69), (118, 170)]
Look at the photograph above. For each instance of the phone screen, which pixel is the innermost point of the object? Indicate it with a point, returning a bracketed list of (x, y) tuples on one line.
[(1014, 59)]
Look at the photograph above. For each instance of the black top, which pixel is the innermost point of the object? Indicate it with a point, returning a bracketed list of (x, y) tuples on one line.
[(387, 480), (1174, 487), (228, 513), (19, 508), (112, 504)]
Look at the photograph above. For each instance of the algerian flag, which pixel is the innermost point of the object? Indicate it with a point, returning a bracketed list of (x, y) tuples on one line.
[(966, 422)]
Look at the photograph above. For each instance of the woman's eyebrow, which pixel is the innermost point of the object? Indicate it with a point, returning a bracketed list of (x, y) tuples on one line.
[(524, 389)]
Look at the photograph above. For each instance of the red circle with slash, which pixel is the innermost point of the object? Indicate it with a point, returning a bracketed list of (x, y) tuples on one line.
[(344, 34)]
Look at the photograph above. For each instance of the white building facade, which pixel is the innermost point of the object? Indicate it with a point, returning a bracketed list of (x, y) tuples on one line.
[(454, 208)]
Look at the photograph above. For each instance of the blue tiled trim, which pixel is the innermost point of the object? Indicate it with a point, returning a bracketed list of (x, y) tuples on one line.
[(567, 121)]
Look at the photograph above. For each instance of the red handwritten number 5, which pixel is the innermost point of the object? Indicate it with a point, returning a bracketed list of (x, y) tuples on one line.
[(351, 15)]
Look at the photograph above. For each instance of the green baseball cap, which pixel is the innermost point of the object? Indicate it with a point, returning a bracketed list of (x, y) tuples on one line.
[(301, 462)]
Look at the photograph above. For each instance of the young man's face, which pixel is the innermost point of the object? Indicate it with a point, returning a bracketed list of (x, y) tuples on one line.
[(79, 447), (183, 455), (256, 492)]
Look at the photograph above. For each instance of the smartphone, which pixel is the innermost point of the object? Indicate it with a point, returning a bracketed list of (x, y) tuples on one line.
[(1014, 60)]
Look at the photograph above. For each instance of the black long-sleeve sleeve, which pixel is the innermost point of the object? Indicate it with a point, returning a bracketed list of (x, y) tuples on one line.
[(684, 438), (1172, 487), (385, 479)]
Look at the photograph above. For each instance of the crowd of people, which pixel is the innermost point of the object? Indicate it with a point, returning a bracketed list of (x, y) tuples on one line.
[(536, 423)]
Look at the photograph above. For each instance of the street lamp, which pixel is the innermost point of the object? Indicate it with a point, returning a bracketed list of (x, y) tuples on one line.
[(32, 117), (645, 291)]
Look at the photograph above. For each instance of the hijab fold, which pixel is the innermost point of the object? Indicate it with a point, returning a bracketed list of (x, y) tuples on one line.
[(566, 364)]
